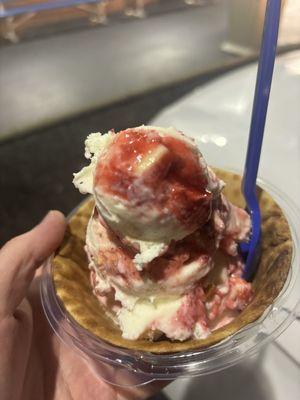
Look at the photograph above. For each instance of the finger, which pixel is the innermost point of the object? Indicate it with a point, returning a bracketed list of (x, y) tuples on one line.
[(20, 257)]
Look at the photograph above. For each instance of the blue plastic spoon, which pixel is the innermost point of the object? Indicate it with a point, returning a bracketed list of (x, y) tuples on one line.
[(251, 250)]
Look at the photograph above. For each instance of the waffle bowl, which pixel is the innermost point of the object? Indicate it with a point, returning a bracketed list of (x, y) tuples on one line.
[(77, 316)]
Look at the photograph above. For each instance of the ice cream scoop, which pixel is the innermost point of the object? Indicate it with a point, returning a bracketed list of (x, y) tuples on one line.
[(151, 186), (162, 239), (182, 293)]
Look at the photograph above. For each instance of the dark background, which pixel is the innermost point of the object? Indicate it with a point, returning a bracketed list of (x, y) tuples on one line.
[(36, 168)]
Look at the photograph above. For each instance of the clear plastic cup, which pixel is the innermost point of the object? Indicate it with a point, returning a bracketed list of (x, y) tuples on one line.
[(127, 368)]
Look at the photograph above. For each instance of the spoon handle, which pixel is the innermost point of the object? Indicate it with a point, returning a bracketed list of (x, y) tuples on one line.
[(261, 96)]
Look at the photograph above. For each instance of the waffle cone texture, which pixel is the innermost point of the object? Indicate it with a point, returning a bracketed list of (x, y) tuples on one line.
[(71, 276)]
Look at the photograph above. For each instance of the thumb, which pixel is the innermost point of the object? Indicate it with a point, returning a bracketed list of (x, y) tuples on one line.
[(20, 257)]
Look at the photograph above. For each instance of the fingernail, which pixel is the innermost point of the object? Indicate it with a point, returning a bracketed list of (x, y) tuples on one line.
[(49, 214)]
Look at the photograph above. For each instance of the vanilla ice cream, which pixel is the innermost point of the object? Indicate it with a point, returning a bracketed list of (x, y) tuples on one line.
[(162, 240)]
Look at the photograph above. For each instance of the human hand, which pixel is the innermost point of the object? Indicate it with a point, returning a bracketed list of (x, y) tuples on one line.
[(34, 363)]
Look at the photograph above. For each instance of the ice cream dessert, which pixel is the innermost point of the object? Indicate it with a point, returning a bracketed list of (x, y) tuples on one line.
[(162, 241)]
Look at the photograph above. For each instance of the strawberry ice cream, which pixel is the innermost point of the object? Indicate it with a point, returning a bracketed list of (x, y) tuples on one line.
[(162, 240)]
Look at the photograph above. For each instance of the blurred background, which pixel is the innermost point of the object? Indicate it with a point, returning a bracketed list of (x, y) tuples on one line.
[(71, 67)]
